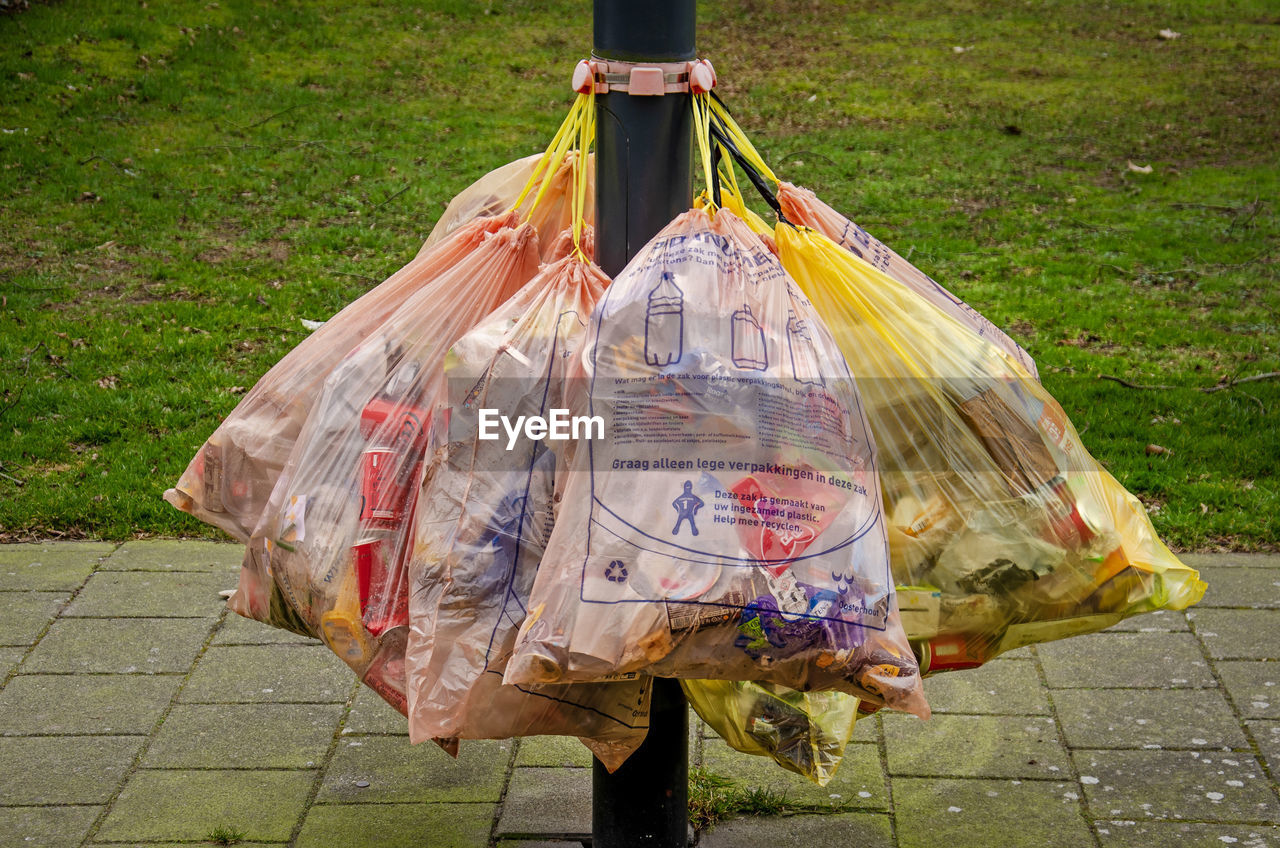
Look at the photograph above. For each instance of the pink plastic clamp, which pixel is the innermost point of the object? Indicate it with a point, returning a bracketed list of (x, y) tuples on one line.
[(648, 80)]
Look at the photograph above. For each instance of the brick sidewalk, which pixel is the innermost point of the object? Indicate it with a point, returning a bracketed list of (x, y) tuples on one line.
[(136, 711)]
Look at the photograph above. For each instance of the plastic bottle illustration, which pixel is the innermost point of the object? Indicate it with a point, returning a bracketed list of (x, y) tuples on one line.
[(749, 350), (804, 357), (664, 323)]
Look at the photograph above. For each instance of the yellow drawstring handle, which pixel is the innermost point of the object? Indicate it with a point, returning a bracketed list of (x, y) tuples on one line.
[(740, 141), (586, 137), (702, 134), (576, 134)]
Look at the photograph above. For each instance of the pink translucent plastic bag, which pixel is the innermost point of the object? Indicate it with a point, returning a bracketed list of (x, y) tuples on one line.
[(228, 482), (482, 524), (328, 557), (729, 523), (499, 191)]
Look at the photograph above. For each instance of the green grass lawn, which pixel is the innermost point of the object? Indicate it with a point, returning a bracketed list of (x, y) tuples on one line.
[(181, 182)]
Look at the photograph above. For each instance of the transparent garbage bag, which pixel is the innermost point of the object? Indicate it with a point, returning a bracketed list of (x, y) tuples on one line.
[(328, 557), (486, 511), (1003, 530), (804, 732), (729, 526), (228, 482)]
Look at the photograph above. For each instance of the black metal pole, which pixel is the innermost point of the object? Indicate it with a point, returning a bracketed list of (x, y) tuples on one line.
[(644, 178), (644, 144)]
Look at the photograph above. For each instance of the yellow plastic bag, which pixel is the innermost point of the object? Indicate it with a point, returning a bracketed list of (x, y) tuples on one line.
[(1003, 530), (804, 732)]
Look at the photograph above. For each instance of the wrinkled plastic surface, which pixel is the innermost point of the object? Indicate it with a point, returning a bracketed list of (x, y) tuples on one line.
[(486, 510), (230, 479), (1003, 530), (804, 732), (328, 557), (729, 524), (497, 191), (802, 206)]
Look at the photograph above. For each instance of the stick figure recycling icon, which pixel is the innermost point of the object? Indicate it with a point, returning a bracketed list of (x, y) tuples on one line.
[(686, 506)]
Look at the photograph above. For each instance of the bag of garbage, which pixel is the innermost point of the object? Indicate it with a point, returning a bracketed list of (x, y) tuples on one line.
[(487, 506), (804, 732), (728, 525), (485, 514), (328, 556), (1003, 530), (229, 480)]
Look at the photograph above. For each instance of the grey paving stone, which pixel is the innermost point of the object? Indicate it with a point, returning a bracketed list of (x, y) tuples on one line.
[(235, 629), (26, 614), (1137, 718), (1229, 586), (46, 825), (25, 550), (1231, 634), (108, 704), (1267, 735), (999, 688), (1139, 834), (858, 782), (866, 728), (64, 769), (547, 802), (150, 594), (397, 825), (975, 746), (1125, 660), (179, 806), (47, 569), (552, 751), (9, 659), (257, 673), (399, 772), (1191, 785), (1157, 621), (864, 830), (1244, 560), (177, 555), (123, 646), (1254, 687), (968, 813), (371, 714), (244, 736)]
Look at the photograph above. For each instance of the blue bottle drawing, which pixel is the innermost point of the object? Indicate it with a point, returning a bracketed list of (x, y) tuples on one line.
[(804, 356), (664, 323), (749, 350)]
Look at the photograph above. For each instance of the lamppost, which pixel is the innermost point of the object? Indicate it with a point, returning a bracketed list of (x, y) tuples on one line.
[(644, 178)]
